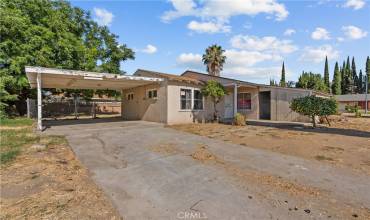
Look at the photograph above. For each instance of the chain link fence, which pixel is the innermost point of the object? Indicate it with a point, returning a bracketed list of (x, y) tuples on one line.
[(65, 108)]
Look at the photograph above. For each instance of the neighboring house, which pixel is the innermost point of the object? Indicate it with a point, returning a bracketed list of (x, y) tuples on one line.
[(352, 99), (178, 99)]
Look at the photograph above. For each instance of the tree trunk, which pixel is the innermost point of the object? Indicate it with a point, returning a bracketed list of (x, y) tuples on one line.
[(313, 121), (215, 111)]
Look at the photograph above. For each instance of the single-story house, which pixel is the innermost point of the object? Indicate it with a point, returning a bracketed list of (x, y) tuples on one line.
[(352, 99), (178, 99), (170, 99)]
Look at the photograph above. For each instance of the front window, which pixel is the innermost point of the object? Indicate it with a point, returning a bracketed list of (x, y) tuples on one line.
[(198, 100), (152, 94), (185, 97), (244, 101), (130, 96)]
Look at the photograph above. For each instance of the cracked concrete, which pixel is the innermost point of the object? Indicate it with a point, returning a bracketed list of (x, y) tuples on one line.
[(147, 184)]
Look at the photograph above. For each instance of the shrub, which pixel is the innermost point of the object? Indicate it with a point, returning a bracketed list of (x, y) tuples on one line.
[(216, 91), (313, 106), (240, 119), (353, 109)]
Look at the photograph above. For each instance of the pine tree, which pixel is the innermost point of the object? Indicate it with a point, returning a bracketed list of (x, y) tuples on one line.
[(336, 84), (368, 73), (348, 79), (282, 80), (342, 75), (326, 73), (354, 76), (360, 83)]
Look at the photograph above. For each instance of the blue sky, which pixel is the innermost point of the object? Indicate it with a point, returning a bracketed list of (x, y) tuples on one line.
[(258, 35)]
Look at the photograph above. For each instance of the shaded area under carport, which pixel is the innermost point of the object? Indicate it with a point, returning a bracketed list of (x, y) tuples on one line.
[(40, 77)]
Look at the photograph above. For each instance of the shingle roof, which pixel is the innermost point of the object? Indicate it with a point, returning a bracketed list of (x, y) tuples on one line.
[(142, 72), (221, 77), (254, 84)]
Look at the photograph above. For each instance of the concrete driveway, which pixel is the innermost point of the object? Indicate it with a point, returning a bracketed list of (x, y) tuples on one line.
[(150, 172)]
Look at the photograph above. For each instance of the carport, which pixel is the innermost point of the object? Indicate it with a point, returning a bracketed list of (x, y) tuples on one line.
[(41, 77)]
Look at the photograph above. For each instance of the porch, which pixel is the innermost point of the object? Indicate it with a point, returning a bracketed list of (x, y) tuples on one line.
[(248, 100)]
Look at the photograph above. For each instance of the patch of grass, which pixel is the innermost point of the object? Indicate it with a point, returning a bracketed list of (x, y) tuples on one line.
[(12, 122), (321, 157), (7, 156), (12, 140)]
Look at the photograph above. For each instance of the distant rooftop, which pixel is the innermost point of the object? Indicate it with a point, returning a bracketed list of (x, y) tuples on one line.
[(351, 97)]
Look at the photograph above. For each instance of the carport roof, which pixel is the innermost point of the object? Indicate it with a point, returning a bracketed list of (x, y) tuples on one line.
[(74, 79)]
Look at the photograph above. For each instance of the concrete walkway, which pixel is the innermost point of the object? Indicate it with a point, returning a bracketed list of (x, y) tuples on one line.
[(126, 160)]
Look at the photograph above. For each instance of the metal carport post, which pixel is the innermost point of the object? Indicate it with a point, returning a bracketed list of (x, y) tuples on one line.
[(39, 101)]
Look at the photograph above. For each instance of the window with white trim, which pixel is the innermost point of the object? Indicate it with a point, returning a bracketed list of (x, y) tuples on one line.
[(198, 100), (152, 94), (130, 96), (244, 101), (185, 99)]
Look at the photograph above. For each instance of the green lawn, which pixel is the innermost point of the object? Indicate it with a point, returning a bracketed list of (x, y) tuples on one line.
[(14, 122), (15, 134)]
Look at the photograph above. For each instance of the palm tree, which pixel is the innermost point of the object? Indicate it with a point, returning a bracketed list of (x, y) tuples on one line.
[(214, 59)]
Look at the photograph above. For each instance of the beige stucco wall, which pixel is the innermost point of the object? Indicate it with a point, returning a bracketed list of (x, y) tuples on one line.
[(280, 102), (143, 108), (166, 108), (254, 112), (174, 113)]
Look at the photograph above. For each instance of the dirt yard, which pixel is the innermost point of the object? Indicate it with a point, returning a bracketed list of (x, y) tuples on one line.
[(346, 143), (44, 180)]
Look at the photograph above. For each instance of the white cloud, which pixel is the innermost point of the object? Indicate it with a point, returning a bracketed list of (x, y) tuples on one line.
[(235, 58), (182, 8), (268, 43), (289, 32), (238, 62), (190, 60), (150, 49), (340, 39), (355, 4), (222, 11), (103, 17), (353, 32), (317, 54), (253, 73), (208, 27), (320, 34)]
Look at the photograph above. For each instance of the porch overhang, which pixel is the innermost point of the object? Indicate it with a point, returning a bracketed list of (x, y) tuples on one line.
[(74, 79), (240, 84)]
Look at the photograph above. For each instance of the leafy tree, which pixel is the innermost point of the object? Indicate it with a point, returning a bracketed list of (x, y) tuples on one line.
[(215, 91), (52, 33), (368, 72), (290, 84), (311, 81), (5, 97), (273, 82), (282, 80), (214, 59), (326, 73), (313, 106), (336, 84)]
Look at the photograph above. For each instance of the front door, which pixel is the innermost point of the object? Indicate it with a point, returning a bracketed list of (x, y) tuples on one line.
[(229, 107), (265, 105)]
